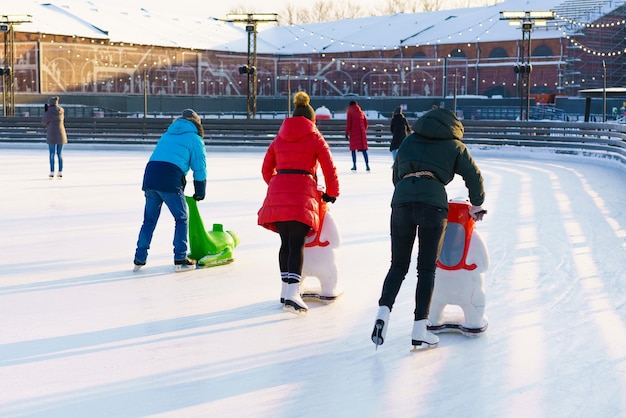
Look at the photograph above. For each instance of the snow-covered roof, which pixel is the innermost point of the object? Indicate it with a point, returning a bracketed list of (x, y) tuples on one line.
[(123, 21), (132, 21)]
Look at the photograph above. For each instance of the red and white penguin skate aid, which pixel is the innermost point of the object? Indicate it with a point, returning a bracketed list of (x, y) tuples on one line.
[(459, 276)]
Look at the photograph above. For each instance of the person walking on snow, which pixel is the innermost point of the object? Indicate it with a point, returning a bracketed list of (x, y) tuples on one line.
[(427, 160), (179, 149), (356, 133), (56, 137), (400, 128), (291, 205)]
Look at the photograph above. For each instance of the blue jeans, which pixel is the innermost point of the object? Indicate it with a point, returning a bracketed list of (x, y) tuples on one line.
[(428, 223), (177, 205), (56, 149)]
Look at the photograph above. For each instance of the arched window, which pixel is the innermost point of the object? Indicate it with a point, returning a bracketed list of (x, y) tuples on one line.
[(457, 53), (498, 52), (542, 51)]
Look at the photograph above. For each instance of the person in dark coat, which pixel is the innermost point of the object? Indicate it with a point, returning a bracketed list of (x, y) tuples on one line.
[(56, 137), (427, 160), (400, 128), (356, 133), (179, 149), (291, 205)]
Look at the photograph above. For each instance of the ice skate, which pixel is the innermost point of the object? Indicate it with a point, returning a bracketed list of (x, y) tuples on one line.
[(380, 326), (138, 264), (283, 291), (185, 264), (51, 175), (293, 300), (421, 336)]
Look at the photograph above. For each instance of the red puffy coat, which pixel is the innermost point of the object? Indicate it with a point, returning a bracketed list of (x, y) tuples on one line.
[(294, 196), (356, 128)]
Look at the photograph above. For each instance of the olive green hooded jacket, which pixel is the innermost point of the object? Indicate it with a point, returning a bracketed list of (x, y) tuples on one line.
[(435, 146)]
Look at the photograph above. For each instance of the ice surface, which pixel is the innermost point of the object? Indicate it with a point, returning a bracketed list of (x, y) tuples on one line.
[(81, 335)]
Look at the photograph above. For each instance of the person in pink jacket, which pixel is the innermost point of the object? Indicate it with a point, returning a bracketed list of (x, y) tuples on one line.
[(356, 133), (291, 206)]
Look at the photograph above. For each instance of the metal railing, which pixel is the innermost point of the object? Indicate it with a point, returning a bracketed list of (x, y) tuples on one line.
[(604, 139)]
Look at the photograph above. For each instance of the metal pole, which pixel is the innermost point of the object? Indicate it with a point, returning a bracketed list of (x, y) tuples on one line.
[(145, 94), (456, 73), (445, 79), (528, 71), (604, 93), (255, 77), (250, 87)]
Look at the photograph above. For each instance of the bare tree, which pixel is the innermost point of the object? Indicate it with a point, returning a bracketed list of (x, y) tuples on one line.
[(320, 11), (431, 5), (398, 6), (328, 10), (289, 15), (239, 9)]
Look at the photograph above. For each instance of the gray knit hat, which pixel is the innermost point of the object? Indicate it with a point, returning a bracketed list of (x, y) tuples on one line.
[(192, 116), (53, 101)]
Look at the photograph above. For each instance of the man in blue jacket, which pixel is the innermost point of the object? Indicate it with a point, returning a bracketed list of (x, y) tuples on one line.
[(179, 149)]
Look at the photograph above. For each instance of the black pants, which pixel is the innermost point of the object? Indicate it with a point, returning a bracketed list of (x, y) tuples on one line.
[(292, 239), (429, 223)]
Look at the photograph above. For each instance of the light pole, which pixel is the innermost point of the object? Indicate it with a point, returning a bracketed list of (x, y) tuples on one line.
[(604, 92), (251, 20), (7, 71), (527, 20)]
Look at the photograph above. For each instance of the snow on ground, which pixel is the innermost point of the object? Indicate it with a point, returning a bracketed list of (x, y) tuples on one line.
[(81, 335)]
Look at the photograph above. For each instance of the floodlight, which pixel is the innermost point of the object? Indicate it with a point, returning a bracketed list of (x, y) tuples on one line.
[(512, 15), (541, 14)]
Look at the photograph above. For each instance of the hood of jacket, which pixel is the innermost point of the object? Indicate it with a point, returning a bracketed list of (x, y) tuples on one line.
[(439, 123), (182, 126), (295, 128)]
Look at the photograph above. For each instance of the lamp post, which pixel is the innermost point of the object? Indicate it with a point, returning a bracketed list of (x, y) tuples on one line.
[(251, 20), (604, 91), (7, 71), (527, 20)]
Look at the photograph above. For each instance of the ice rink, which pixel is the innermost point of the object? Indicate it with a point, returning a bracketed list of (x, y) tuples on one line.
[(81, 335)]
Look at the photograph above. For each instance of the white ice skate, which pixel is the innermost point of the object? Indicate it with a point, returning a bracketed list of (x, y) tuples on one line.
[(380, 326), (421, 336)]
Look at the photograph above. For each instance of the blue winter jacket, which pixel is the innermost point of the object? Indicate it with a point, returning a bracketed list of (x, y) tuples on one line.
[(179, 149)]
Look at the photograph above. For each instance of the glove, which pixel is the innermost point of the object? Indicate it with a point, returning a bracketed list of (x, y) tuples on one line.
[(477, 212), (199, 190), (347, 137), (329, 199)]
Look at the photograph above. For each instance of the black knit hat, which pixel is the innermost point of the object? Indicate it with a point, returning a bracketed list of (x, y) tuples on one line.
[(303, 108), (192, 116)]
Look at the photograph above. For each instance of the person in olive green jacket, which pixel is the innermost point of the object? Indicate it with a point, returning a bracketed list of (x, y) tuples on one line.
[(427, 160)]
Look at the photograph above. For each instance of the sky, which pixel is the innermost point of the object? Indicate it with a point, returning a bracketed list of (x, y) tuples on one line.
[(81, 335)]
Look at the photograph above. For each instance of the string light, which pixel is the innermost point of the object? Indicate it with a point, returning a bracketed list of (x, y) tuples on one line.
[(481, 26), (591, 51), (590, 25)]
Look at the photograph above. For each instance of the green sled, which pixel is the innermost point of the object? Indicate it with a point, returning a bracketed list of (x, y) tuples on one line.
[(209, 248)]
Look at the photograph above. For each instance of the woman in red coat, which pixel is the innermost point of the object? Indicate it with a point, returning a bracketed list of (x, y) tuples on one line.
[(356, 133), (291, 206)]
